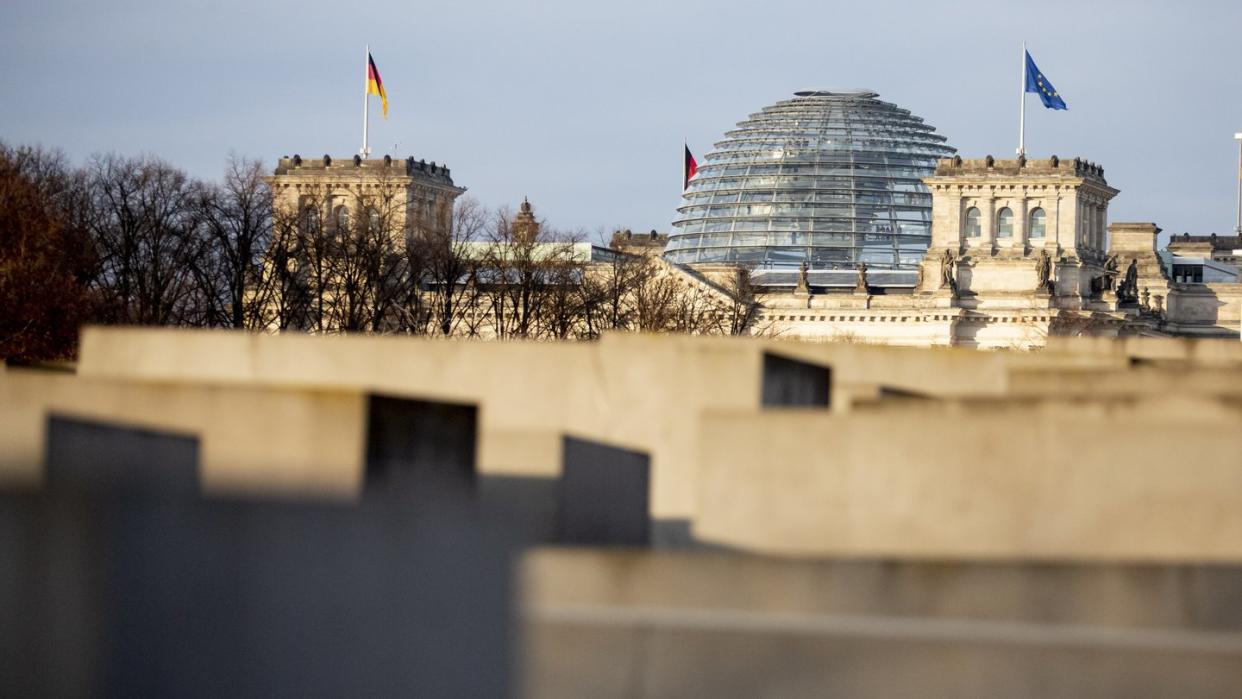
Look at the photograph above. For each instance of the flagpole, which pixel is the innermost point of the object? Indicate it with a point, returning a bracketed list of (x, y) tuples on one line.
[(1022, 106), (1238, 230), (366, 101)]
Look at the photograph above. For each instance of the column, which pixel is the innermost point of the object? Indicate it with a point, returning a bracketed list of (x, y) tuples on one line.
[(1091, 227), (1080, 222), (987, 209), (1020, 234), (1102, 225), (1093, 212)]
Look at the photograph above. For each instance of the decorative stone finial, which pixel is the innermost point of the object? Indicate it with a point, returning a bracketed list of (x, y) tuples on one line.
[(357, 161), (327, 160)]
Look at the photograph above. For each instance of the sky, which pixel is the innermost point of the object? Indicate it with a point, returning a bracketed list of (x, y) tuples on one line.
[(583, 106)]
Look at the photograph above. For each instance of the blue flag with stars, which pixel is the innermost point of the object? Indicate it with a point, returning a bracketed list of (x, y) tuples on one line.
[(1037, 83)]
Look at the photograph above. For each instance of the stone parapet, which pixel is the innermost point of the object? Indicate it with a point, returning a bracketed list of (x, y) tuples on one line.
[(327, 166), (1020, 167)]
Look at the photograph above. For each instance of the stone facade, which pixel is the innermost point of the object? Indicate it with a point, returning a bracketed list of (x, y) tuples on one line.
[(627, 242), (338, 229), (1221, 248), (999, 218), (1017, 247), (1021, 251), (413, 192)]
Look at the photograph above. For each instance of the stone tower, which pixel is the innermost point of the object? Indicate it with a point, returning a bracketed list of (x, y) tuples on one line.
[(1018, 228), (329, 214), (412, 193), (525, 227)]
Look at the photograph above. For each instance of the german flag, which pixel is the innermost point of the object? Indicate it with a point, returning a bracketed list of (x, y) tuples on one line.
[(688, 168), (375, 86)]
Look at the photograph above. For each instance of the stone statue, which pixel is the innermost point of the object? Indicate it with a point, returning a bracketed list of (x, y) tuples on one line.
[(1110, 272), (948, 270), (1128, 289), (804, 283), (1043, 270), (1146, 302), (861, 285)]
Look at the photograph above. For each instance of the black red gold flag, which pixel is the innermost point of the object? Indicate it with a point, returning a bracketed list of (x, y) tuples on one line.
[(690, 167), (375, 86)]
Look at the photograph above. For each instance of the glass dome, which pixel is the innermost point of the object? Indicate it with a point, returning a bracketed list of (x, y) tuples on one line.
[(830, 178)]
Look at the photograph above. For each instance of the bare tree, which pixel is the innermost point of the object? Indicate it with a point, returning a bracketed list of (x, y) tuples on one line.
[(367, 260), (236, 216), (281, 298), (151, 246), (742, 312), (607, 290), (43, 261), (450, 268), (654, 298), (146, 235), (526, 267), (562, 311)]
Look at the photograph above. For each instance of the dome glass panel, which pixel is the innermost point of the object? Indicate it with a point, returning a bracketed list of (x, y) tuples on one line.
[(829, 178)]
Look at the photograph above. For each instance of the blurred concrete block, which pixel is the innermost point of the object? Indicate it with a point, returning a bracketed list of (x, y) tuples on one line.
[(136, 596), (305, 442), (1039, 478), (98, 457), (413, 444), (604, 495), (628, 623), (791, 382), (527, 504)]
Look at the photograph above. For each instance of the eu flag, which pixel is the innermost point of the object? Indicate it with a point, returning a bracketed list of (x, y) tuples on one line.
[(1037, 83)]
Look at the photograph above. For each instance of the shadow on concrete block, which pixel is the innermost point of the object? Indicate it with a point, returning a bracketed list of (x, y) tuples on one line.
[(527, 504), (98, 457), (416, 445), (138, 596), (604, 495), (790, 382)]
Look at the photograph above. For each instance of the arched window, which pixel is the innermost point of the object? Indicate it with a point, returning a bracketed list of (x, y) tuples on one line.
[(1039, 225), (1004, 223), (373, 219), (973, 228), (310, 219), (342, 218)]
